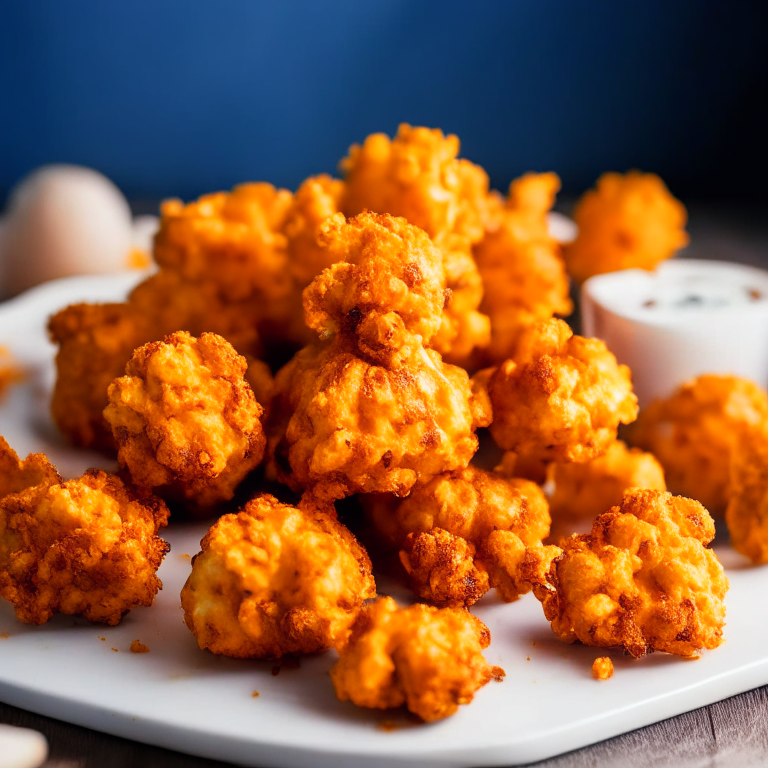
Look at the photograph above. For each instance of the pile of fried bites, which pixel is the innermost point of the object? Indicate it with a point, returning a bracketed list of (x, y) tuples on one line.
[(420, 306)]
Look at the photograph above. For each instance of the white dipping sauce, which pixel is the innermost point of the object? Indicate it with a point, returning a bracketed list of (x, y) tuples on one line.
[(686, 318)]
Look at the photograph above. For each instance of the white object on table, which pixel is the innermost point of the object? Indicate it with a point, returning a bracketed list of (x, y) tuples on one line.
[(65, 220), (21, 747), (180, 697), (561, 227), (686, 318)]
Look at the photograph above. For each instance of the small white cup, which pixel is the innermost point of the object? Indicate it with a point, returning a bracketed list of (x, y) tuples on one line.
[(686, 318)]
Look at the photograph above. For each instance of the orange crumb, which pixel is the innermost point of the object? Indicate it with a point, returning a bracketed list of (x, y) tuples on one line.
[(498, 674), (527, 658), (602, 668), (115, 650), (387, 725), (138, 647), (9, 373), (4, 635), (255, 694), (101, 638), (138, 259), (185, 556)]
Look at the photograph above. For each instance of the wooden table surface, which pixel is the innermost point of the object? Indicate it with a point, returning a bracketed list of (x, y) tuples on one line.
[(730, 734)]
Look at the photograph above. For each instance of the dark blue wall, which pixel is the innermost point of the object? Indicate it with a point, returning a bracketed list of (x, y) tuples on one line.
[(182, 97)]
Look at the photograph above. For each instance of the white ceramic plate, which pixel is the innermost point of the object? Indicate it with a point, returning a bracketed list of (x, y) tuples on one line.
[(179, 697)]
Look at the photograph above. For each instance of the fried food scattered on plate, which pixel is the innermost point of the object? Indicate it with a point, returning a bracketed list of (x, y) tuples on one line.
[(465, 532), (87, 546), (275, 580), (602, 668), (521, 265), (427, 658), (186, 423), (561, 398), (581, 492), (747, 511), (642, 579), (628, 221), (695, 430), (371, 409)]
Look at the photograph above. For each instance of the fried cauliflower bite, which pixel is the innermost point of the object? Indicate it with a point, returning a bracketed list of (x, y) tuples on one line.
[(643, 579), (385, 288), (235, 241), (17, 475), (275, 579), (747, 512), (87, 546), (468, 531), (521, 266), (561, 398), (695, 430), (626, 222), (426, 658), (340, 425), (584, 491), (95, 342), (186, 423)]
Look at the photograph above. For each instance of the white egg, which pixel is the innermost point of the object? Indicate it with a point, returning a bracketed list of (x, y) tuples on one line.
[(63, 220)]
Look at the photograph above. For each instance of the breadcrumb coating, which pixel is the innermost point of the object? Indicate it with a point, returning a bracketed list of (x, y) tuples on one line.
[(465, 532), (95, 342), (87, 546), (747, 512), (426, 658), (17, 475), (274, 580), (695, 430), (417, 176), (643, 579), (628, 221), (186, 423), (521, 264), (561, 398), (340, 425), (584, 491), (386, 287), (602, 668)]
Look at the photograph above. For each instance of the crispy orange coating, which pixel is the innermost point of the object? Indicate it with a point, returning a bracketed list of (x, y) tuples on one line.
[(417, 175), (234, 241), (747, 512), (426, 658), (626, 222), (584, 491), (87, 546), (274, 579), (17, 475), (385, 288), (95, 342), (522, 269), (465, 532), (602, 668), (695, 430), (186, 423), (642, 579), (561, 397), (340, 425)]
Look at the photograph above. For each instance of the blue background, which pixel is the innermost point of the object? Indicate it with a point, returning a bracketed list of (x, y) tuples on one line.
[(178, 98)]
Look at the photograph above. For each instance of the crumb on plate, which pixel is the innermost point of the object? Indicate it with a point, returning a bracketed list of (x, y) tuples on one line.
[(602, 668)]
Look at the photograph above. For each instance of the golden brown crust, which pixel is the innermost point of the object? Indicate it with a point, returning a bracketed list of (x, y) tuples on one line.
[(747, 512), (186, 422), (95, 342), (695, 431), (642, 579), (522, 269), (87, 546), (561, 398), (275, 580), (467, 531), (583, 491), (626, 222), (602, 668), (428, 659), (17, 475)]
